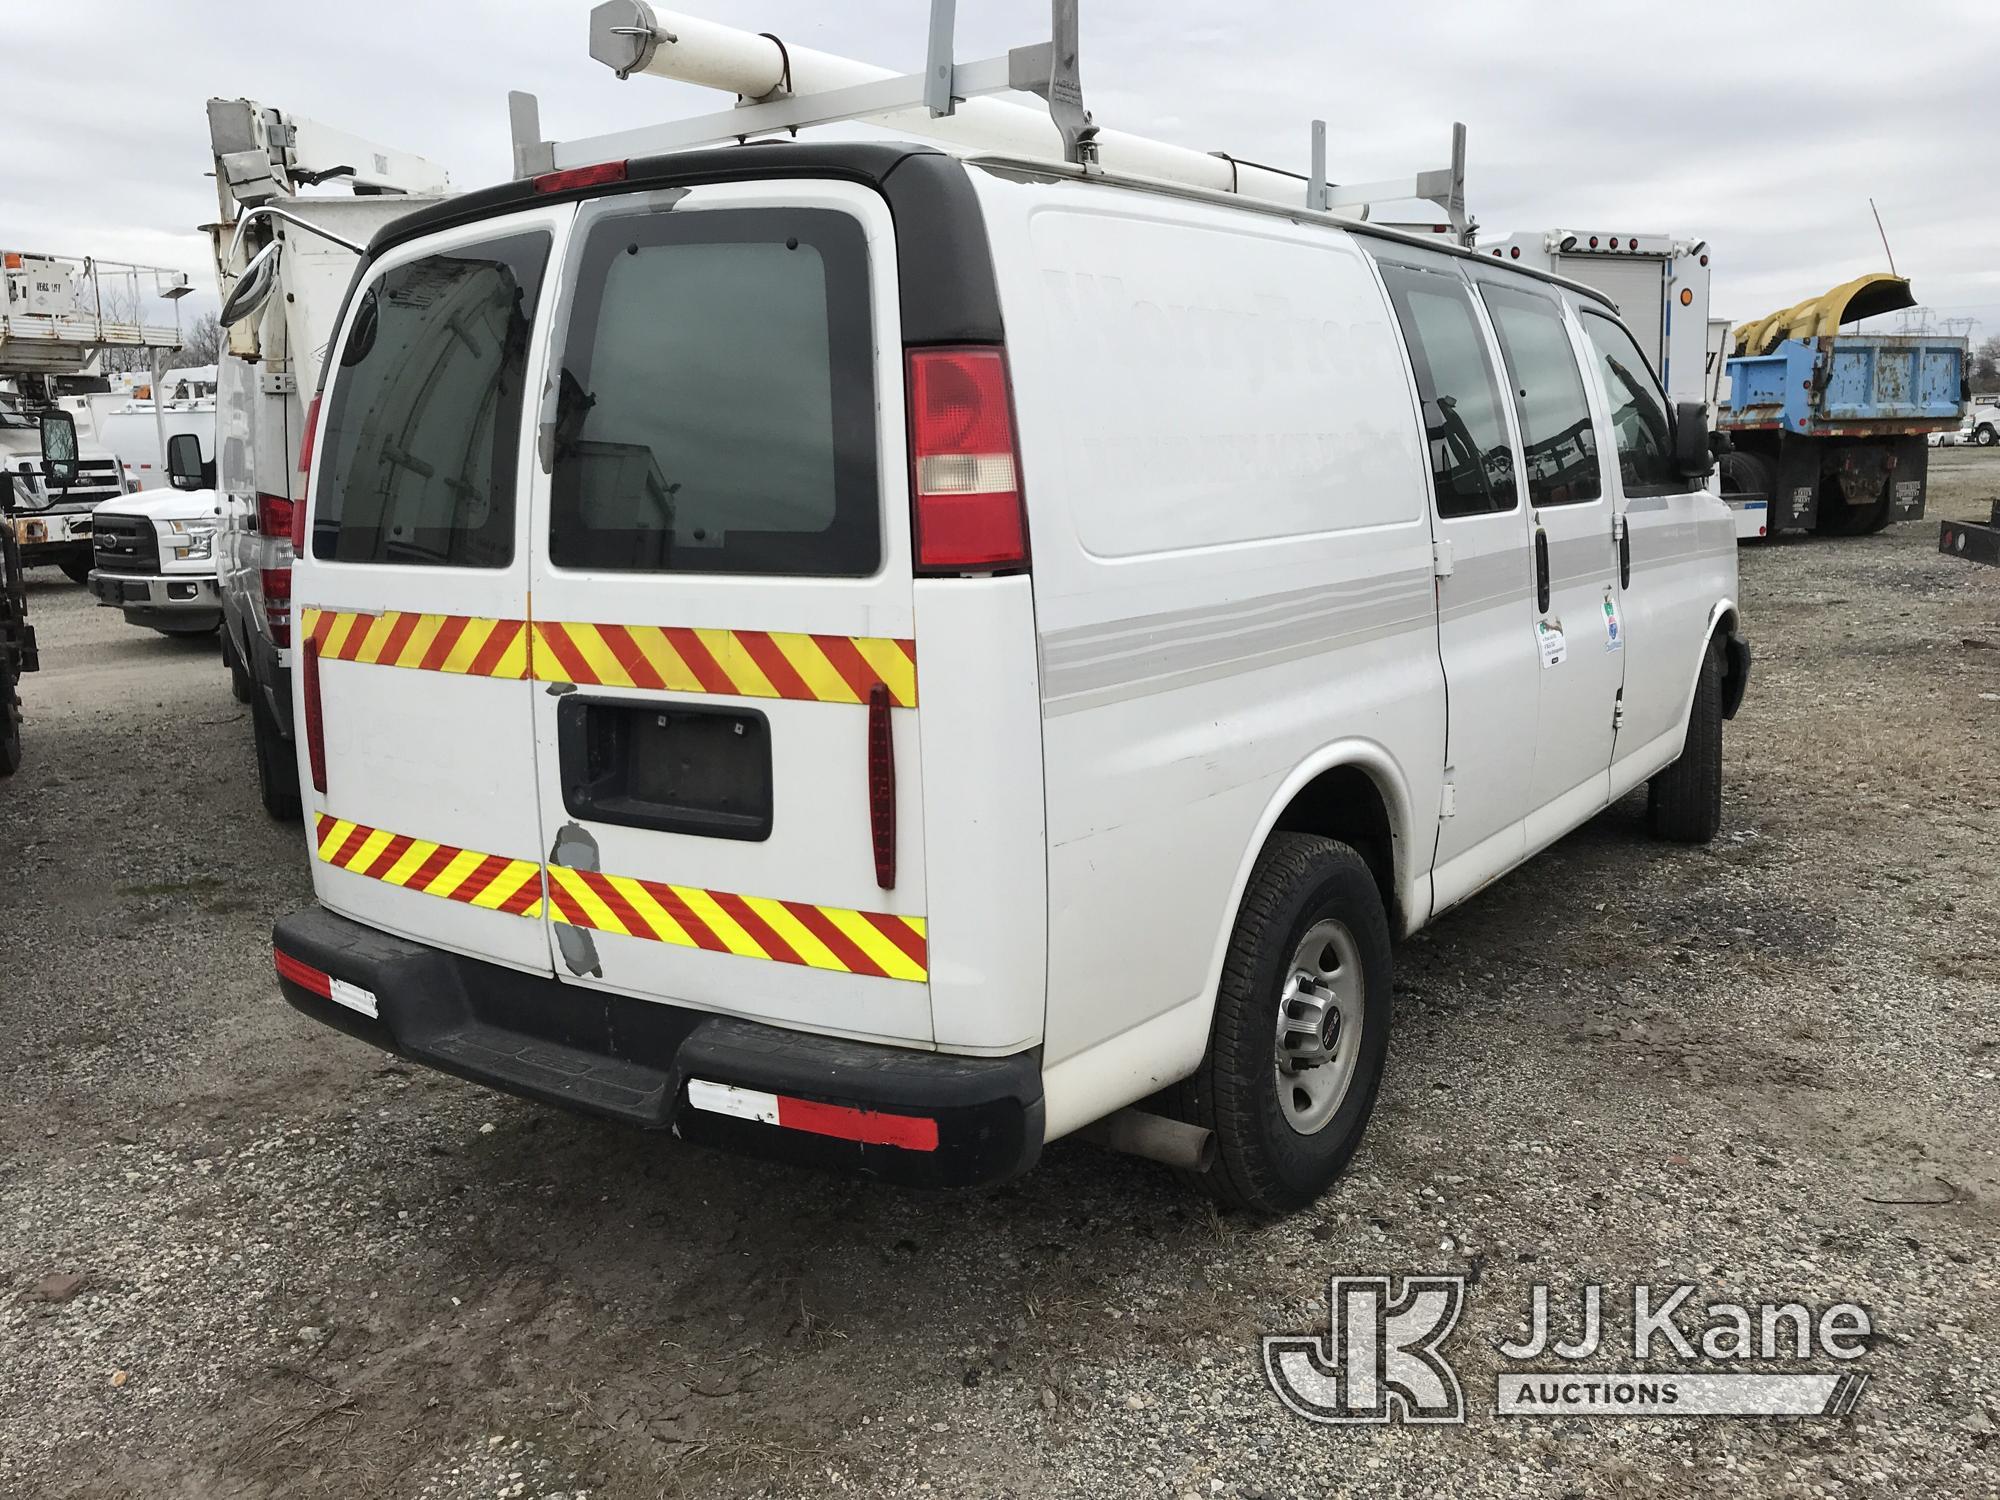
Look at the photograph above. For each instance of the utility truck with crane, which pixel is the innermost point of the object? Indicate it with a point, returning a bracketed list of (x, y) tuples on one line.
[(58, 317), (284, 256)]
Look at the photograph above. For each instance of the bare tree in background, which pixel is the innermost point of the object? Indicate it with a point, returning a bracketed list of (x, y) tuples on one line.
[(203, 344), (200, 345), (121, 305), (1986, 365)]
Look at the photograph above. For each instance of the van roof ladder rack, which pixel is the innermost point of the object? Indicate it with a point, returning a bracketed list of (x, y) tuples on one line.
[(780, 87)]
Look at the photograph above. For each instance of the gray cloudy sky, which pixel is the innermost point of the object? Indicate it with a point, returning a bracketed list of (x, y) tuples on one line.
[(1763, 124)]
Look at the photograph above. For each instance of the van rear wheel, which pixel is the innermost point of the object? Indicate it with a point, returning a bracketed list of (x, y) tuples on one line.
[(1301, 1028), (239, 680), (1684, 802), (277, 768)]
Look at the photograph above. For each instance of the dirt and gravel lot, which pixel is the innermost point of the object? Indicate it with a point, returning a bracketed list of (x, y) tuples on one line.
[(304, 1269)]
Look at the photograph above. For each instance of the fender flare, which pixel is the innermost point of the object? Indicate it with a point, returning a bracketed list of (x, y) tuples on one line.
[(1412, 892), (1722, 619)]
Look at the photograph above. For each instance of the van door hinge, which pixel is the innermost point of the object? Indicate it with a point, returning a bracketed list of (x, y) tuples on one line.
[(1441, 559), (1448, 799), (1618, 712)]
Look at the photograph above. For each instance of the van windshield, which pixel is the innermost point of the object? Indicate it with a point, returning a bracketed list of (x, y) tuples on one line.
[(716, 406)]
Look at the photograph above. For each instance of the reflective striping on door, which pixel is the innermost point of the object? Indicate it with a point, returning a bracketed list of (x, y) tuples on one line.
[(461, 644), (876, 944), (670, 658), (789, 932), (745, 663), (491, 881)]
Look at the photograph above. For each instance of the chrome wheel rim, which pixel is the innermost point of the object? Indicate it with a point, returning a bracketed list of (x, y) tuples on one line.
[(1319, 1026)]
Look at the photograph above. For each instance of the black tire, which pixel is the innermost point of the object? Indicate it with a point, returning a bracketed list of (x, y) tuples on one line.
[(10, 716), (1743, 473), (1684, 802), (240, 686), (76, 569), (277, 770), (1262, 1163), (1986, 436), (1838, 518)]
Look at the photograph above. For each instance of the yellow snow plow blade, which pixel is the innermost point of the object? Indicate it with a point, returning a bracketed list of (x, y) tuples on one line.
[(1816, 317)]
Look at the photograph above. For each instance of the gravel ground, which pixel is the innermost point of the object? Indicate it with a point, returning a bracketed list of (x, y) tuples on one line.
[(286, 1265)]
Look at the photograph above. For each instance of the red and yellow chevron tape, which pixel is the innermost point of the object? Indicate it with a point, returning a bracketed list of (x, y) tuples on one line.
[(745, 663), (740, 663), (788, 932), (836, 938), (461, 644), (489, 880)]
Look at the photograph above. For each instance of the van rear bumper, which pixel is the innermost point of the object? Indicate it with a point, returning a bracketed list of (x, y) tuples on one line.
[(923, 1118)]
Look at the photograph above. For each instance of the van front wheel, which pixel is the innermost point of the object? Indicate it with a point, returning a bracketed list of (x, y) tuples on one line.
[(1301, 1028), (1684, 802)]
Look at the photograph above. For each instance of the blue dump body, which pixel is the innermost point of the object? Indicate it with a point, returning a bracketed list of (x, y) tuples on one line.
[(1848, 384)]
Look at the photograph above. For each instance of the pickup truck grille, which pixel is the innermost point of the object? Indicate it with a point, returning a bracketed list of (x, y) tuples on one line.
[(126, 544), (97, 480)]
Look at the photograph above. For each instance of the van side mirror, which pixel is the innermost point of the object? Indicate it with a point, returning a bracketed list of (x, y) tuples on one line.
[(184, 466), (1692, 460), (59, 456)]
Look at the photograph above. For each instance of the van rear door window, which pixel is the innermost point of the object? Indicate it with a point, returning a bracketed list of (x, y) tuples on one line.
[(1472, 461), (423, 422), (716, 412), (1558, 445)]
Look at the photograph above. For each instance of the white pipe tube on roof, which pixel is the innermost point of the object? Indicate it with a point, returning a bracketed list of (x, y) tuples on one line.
[(692, 50)]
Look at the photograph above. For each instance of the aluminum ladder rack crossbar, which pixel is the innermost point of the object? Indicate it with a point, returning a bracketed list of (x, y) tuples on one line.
[(782, 88)]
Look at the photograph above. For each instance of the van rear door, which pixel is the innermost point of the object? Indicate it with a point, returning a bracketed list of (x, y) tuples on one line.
[(416, 735), (723, 621)]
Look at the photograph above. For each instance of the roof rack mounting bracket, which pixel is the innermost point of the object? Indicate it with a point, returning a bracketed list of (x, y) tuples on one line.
[(532, 155), (1049, 69), (1317, 195)]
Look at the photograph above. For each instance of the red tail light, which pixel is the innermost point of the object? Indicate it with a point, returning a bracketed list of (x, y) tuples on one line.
[(315, 723), (882, 786), (302, 973), (274, 515), (307, 438), (594, 175), (277, 583), (296, 521), (965, 466)]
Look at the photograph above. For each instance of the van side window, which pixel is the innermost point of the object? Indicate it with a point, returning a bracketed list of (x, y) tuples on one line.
[(423, 425), (1558, 445), (716, 406), (1472, 459), (1638, 409)]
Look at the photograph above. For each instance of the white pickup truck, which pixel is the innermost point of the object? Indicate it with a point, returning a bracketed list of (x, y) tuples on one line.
[(155, 550)]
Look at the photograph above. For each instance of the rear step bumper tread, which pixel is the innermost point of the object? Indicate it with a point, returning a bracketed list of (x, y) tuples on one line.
[(631, 1060)]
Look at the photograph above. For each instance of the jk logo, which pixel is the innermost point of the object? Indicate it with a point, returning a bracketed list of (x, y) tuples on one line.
[(1379, 1360)]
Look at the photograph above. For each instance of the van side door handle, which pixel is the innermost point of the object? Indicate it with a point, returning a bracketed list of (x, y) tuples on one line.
[(1541, 570), (1624, 552)]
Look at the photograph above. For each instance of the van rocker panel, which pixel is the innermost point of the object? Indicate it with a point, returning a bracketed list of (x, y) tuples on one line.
[(632, 1060)]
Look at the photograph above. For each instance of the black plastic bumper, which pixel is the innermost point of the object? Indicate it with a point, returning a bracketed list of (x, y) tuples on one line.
[(632, 1060)]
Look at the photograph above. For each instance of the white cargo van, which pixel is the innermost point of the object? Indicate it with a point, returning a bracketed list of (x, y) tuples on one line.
[(891, 658)]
